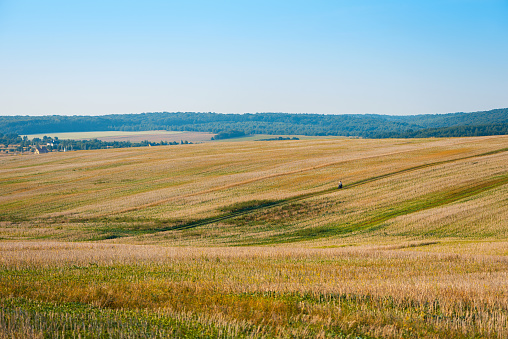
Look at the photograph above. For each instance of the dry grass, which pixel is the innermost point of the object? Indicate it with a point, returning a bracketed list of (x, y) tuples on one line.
[(198, 181), (414, 246), (132, 136), (376, 291)]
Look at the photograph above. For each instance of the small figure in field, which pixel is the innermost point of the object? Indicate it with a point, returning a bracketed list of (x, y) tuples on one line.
[(340, 184)]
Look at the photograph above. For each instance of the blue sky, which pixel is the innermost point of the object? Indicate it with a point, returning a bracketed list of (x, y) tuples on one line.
[(333, 57)]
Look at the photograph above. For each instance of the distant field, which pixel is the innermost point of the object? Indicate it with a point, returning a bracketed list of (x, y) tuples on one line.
[(136, 136), (266, 137), (156, 136), (253, 239)]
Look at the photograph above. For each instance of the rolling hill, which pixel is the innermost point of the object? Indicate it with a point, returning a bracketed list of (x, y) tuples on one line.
[(254, 239)]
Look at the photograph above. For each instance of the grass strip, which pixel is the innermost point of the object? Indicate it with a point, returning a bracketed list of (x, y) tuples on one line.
[(376, 222)]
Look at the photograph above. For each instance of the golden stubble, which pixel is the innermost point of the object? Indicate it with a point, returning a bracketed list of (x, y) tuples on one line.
[(469, 292)]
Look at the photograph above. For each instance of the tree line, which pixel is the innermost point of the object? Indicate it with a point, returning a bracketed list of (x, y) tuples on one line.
[(17, 143), (358, 125)]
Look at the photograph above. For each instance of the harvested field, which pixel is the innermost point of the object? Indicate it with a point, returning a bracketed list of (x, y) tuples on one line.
[(137, 136), (253, 239)]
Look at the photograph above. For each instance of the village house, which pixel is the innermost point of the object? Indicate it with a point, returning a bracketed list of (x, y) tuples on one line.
[(40, 149)]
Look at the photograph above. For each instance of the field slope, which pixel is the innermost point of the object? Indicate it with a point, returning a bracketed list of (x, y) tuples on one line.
[(253, 239)]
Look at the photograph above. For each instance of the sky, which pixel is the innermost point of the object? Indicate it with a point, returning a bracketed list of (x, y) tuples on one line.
[(246, 56)]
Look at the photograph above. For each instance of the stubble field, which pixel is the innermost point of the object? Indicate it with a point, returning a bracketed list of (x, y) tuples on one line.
[(253, 239), (132, 136)]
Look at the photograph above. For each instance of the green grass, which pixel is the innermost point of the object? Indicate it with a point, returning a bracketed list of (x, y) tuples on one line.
[(25, 318)]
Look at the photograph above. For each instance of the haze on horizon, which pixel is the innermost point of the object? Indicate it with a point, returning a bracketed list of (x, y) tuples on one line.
[(332, 57)]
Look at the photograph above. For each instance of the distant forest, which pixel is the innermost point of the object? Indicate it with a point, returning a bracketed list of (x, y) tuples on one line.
[(494, 122)]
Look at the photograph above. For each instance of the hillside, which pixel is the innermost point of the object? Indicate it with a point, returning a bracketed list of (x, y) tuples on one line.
[(386, 183), (494, 122), (254, 239)]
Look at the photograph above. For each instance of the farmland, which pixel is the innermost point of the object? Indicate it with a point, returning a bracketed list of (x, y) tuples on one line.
[(133, 136), (253, 239)]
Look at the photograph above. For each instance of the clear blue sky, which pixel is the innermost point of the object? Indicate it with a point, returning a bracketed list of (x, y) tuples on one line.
[(358, 56)]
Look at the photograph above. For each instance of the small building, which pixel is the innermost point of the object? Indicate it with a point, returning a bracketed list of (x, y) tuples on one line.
[(40, 149)]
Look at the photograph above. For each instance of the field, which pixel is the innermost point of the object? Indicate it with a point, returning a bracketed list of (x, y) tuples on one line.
[(253, 239), (132, 136)]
